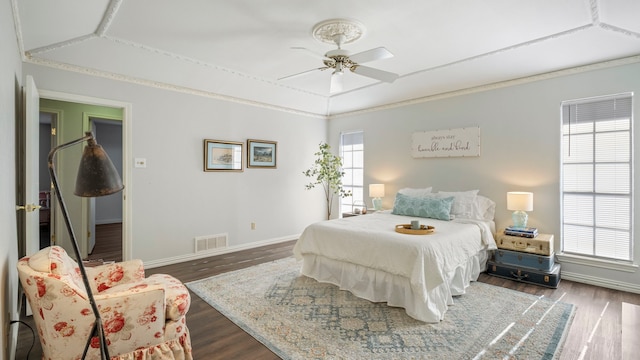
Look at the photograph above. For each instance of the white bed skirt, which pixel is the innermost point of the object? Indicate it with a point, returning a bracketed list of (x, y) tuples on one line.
[(380, 286)]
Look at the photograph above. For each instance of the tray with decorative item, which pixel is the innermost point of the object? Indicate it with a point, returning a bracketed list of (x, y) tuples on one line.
[(406, 229)]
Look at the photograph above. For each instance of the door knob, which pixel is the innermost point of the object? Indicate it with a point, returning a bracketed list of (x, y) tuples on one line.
[(28, 207)]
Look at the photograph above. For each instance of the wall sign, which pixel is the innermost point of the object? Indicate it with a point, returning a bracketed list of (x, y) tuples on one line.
[(446, 143)]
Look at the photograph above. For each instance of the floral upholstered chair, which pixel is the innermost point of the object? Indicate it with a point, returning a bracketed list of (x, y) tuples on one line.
[(143, 318)]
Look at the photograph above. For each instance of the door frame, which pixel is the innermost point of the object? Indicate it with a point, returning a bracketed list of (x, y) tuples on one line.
[(53, 202), (126, 155)]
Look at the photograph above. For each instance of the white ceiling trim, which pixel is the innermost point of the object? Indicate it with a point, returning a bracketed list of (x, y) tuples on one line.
[(108, 17), (191, 91), (498, 85), (496, 52), (620, 30), (205, 64), (30, 55), (165, 86), (18, 28), (60, 45), (509, 48)]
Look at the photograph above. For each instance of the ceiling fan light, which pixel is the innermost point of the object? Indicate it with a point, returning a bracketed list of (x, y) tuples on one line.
[(340, 32), (336, 82)]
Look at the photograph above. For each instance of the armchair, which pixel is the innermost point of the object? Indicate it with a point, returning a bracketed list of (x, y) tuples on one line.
[(143, 318)]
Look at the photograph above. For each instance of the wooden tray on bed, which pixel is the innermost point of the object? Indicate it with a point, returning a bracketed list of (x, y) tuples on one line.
[(406, 229)]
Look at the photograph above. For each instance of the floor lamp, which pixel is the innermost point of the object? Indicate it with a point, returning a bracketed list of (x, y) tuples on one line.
[(96, 177)]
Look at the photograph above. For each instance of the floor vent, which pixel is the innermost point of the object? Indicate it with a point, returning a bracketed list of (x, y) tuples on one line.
[(210, 242)]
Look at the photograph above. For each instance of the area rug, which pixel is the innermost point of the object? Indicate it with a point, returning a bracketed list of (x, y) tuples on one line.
[(299, 318)]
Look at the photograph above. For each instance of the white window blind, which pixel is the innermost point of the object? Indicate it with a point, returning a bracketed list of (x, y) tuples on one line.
[(352, 153), (597, 171)]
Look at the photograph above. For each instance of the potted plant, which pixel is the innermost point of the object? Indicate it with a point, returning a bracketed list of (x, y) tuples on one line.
[(327, 172)]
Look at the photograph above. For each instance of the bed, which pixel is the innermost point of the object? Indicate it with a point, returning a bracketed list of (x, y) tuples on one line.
[(420, 273)]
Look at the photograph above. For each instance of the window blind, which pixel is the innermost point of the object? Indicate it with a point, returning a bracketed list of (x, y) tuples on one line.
[(597, 172), (352, 153)]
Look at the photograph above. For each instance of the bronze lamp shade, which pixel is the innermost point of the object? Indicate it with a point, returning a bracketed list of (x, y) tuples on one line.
[(96, 174)]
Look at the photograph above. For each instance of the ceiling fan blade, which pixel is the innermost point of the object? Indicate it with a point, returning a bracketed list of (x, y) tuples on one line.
[(313, 53), (336, 82), (371, 55), (303, 73), (374, 73)]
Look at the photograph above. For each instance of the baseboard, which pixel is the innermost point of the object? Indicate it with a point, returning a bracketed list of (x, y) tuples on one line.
[(13, 340), (190, 257), (605, 283), (14, 328)]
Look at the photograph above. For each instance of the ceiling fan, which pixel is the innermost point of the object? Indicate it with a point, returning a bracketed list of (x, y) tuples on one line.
[(340, 32)]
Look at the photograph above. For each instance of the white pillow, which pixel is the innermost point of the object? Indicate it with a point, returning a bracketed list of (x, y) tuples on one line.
[(416, 192), (464, 203), (486, 208)]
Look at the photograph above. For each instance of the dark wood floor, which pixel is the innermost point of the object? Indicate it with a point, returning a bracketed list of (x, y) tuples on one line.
[(108, 243), (595, 332)]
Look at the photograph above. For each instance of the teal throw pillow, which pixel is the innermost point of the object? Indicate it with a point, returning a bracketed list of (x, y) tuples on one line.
[(426, 207)]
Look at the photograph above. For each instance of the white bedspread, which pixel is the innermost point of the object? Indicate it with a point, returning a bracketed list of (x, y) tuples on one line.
[(370, 241)]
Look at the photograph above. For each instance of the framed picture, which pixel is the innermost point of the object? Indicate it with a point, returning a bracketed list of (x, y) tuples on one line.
[(222, 155), (261, 154)]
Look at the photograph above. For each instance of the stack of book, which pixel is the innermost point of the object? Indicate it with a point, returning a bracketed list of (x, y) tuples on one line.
[(528, 232)]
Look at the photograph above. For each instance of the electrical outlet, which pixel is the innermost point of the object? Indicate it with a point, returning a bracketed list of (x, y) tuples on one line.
[(253, 226)]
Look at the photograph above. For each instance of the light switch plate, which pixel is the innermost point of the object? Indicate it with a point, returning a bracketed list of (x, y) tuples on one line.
[(140, 162)]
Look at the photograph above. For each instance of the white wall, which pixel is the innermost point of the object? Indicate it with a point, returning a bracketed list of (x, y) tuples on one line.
[(109, 136), (520, 149), (10, 83), (173, 199)]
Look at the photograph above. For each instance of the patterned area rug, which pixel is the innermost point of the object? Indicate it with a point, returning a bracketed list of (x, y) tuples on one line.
[(298, 318)]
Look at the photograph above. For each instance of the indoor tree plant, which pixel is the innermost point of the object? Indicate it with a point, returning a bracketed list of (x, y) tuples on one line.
[(327, 172)]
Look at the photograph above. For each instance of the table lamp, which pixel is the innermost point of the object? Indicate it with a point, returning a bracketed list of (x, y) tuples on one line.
[(376, 191), (96, 177), (519, 202)]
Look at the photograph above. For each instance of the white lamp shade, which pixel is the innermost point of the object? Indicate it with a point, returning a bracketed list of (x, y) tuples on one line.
[(519, 200), (376, 190)]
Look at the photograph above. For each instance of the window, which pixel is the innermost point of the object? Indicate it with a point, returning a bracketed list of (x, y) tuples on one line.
[(352, 153), (597, 177)]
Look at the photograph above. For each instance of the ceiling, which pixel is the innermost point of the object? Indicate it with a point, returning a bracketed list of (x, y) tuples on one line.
[(237, 50)]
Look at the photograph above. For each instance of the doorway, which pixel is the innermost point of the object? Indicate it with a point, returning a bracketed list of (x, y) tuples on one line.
[(105, 212), (112, 133), (61, 122)]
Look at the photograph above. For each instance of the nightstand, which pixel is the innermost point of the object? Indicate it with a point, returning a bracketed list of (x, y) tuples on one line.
[(525, 259)]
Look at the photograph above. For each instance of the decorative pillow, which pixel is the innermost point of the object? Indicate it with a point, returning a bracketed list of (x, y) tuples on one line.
[(426, 207), (53, 260), (464, 203), (486, 208), (416, 192)]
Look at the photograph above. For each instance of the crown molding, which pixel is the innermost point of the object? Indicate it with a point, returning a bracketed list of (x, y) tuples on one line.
[(165, 86), (17, 24), (182, 89), (498, 85)]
